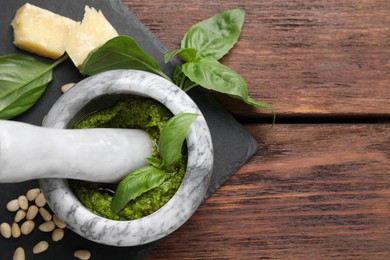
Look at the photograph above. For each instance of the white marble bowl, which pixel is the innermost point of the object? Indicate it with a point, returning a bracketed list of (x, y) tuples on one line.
[(194, 185)]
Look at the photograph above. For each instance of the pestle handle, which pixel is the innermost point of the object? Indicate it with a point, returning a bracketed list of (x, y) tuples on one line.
[(100, 155)]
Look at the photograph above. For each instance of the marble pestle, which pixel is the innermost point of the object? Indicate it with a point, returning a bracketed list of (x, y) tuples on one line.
[(100, 155)]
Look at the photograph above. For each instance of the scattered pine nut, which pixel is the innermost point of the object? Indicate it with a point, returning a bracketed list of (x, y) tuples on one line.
[(57, 234), (32, 194), (19, 254), (48, 226), (20, 215), (13, 205), (23, 202), (40, 200), (66, 87), (27, 227), (59, 223), (52, 223), (82, 254), (45, 214), (5, 230), (32, 212), (15, 230), (40, 247)]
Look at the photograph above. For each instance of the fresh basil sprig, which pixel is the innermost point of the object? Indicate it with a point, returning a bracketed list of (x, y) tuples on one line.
[(23, 80), (121, 52), (201, 48), (213, 37), (146, 178)]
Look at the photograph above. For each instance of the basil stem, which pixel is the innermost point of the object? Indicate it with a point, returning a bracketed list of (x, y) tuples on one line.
[(181, 80), (187, 54), (156, 162), (23, 80)]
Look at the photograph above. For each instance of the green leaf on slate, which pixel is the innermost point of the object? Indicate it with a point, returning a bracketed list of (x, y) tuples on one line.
[(121, 52), (23, 80)]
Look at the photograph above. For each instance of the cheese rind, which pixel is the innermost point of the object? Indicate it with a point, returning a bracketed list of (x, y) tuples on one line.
[(93, 32), (40, 31)]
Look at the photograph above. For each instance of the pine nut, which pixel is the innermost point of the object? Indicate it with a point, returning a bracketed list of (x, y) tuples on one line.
[(82, 254), (48, 226), (13, 205), (40, 247), (45, 214), (57, 234), (40, 200), (59, 223), (23, 202), (15, 230), (27, 227), (5, 230), (19, 254), (20, 215), (32, 194), (66, 87), (32, 212)]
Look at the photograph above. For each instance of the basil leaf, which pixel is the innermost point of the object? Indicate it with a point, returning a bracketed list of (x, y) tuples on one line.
[(135, 184), (214, 37), (121, 52), (187, 55), (173, 135), (23, 80), (211, 74)]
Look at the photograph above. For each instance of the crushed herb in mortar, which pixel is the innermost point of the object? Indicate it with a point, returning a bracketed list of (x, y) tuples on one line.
[(136, 113)]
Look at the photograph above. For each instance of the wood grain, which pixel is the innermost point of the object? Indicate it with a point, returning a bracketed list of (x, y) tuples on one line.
[(319, 57), (311, 192), (315, 191)]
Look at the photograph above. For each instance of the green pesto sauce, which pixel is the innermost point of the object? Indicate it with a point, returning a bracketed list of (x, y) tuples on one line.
[(137, 113)]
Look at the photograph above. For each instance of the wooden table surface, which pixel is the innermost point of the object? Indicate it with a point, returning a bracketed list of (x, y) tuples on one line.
[(319, 186)]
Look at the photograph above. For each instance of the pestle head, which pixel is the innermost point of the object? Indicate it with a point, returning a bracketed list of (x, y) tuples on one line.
[(99, 155)]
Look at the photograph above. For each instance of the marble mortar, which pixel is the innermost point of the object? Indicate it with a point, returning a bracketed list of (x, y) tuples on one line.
[(97, 92)]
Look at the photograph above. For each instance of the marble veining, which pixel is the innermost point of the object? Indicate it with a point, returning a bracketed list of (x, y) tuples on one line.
[(177, 210)]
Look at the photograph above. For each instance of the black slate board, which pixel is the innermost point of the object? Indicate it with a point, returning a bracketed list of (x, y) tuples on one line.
[(233, 146)]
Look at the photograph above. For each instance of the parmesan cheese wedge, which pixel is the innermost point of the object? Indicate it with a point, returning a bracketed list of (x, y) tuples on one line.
[(41, 31), (93, 32)]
